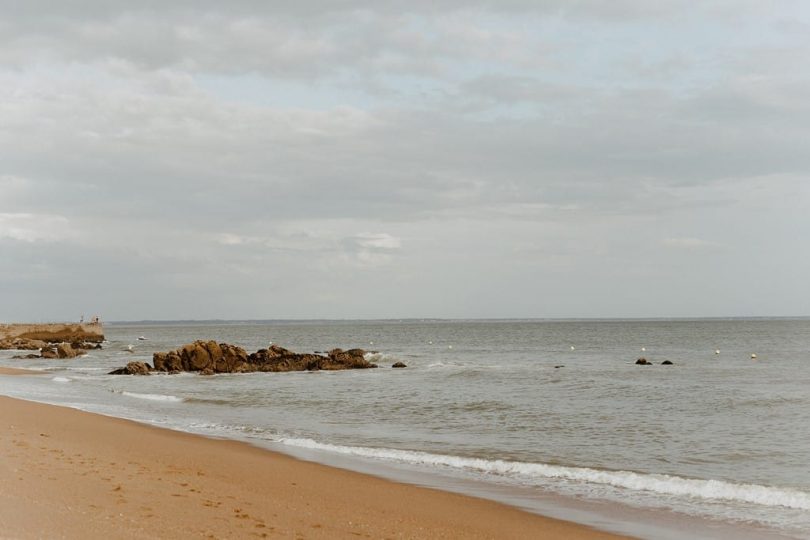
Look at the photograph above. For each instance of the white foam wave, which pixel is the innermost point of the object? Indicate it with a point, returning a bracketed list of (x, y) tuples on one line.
[(61, 379), (380, 357), (656, 483), (153, 397)]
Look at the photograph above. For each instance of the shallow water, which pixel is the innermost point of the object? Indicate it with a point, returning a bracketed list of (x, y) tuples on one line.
[(718, 439)]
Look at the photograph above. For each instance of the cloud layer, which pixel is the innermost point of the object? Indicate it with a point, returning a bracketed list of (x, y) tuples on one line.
[(385, 159)]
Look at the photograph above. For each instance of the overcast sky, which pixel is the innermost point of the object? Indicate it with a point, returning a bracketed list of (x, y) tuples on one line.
[(378, 159)]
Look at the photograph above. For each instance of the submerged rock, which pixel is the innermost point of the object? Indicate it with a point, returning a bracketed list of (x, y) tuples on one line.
[(399, 365), (667, 363), (133, 368), (643, 362)]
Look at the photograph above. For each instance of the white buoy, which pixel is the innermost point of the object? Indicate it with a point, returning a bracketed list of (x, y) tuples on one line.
[(644, 349), (717, 351), (430, 343), (371, 343), (753, 356), (449, 346), (572, 348)]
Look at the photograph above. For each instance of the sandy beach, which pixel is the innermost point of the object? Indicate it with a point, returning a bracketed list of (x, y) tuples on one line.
[(71, 474), (18, 371)]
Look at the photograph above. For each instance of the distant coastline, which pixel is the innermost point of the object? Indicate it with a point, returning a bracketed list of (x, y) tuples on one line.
[(54, 332)]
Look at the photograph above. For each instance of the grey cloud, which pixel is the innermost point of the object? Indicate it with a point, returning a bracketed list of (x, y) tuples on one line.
[(513, 148)]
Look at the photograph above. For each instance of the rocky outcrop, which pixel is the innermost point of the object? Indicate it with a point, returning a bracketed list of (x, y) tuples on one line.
[(643, 362), (276, 358), (55, 332), (133, 368), (202, 355), (22, 344), (47, 350), (667, 363), (399, 365), (210, 357)]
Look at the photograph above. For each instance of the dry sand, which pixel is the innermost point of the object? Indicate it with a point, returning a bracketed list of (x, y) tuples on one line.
[(71, 474)]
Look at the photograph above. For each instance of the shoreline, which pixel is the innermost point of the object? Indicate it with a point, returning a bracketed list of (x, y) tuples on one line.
[(19, 371), (85, 475)]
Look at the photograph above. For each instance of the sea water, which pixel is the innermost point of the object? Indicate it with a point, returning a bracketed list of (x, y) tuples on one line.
[(552, 416)]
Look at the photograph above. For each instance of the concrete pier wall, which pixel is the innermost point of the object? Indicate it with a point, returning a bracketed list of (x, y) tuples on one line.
[(54, 332)]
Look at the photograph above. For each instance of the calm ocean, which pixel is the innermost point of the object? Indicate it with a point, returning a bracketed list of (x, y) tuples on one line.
[(715, 446)]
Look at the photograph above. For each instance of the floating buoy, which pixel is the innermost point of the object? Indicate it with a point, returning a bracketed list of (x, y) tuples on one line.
[(717, 351), (753, 356), (449, 346), (644, 349), (572, 348), (430, 343), (371, 343)]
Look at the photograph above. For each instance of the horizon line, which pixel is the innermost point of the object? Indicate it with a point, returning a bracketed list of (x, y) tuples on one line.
[(459, 319)]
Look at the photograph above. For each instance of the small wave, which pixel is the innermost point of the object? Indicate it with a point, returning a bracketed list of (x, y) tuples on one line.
[(657, 483), (380, 357), (436, 365), (153, 397), (61, 379), (211, 401)]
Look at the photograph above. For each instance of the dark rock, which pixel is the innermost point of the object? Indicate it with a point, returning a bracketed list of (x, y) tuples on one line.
[(399, 365), (666, 363), (207, 371), (64, 350), (212, 357), (85, 346), (558, 367), (48, 352), (643, 362), (26, 356), (132, 368)]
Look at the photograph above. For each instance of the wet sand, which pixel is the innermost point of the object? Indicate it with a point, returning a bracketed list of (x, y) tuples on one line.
[(18, 371), (70, 474)]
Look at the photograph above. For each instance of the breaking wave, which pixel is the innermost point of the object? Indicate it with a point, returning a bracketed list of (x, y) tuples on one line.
[(655, 483), (153, 397)]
